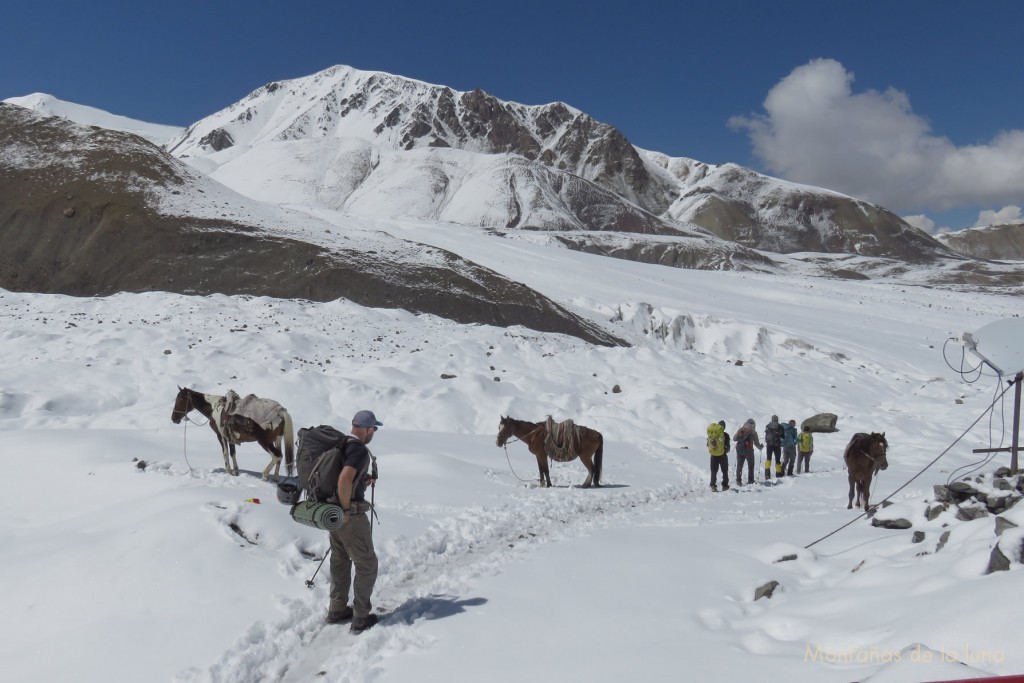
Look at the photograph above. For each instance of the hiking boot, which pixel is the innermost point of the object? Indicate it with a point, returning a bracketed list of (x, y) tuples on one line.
[(341, 615), (714, 488), (725, 487), (360, 624)]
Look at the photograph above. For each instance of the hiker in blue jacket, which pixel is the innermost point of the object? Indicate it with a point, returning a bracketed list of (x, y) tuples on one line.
[(789, 437)]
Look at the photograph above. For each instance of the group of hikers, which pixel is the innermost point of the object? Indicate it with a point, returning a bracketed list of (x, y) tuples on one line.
[(788, 447)]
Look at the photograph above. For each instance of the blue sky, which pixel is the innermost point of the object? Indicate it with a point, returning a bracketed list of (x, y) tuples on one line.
[(912, 104)]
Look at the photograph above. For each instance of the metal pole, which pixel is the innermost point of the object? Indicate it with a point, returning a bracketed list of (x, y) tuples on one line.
[(1016, 423)]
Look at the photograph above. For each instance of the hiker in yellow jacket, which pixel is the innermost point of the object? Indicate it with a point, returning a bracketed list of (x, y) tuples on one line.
[(805, 444)]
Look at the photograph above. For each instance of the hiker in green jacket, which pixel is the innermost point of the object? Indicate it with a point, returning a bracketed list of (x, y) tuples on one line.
[(806, 446)]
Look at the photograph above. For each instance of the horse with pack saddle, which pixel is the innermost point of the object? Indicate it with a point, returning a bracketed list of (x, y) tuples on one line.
[(559, 441), (237, 420)]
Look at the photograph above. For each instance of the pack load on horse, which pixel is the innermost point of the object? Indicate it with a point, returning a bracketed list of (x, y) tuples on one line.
[(865, 455), (237, 420), (561, 442)]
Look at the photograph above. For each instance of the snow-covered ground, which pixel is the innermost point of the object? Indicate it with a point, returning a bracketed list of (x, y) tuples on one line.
[(112, 572)]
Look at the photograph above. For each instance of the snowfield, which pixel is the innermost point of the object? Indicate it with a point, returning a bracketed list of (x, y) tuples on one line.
[(118, 571)]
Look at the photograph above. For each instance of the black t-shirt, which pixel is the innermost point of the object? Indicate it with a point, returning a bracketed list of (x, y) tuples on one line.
[(357, 455)]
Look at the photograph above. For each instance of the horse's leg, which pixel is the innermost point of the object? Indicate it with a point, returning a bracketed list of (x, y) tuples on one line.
[(234, 460), (849, 501), (586, 460), (545, 472), (270, 446), (867, 488)]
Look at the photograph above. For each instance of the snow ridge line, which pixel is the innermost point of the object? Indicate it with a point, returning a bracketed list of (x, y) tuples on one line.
[(417, 575)]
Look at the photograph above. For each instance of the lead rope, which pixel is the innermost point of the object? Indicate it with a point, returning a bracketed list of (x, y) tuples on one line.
[(184, 435), (509, 460)]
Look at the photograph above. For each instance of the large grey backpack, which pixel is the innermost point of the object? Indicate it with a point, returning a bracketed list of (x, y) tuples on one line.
[(319, 459)]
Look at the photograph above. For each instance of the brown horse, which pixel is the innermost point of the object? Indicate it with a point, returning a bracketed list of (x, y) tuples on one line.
[(864, 456), (233, 429), (586, 444)]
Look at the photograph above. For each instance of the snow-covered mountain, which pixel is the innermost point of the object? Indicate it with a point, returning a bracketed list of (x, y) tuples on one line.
[(375, 144), (48, 105), (91, 211), (999, 242)]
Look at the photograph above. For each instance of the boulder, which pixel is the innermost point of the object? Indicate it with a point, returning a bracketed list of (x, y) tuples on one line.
[(822, 422)]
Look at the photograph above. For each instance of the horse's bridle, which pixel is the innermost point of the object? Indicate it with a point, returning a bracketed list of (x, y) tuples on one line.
[(189, 407)]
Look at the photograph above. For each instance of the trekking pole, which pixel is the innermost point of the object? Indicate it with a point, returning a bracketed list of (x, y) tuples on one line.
[(373, 511), (309, 584)]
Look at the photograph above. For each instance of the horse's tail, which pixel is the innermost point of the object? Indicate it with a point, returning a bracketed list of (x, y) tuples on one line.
[(598, 459), (289, 441)]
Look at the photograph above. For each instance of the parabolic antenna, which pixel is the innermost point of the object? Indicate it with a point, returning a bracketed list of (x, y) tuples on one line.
[(1000, 345)]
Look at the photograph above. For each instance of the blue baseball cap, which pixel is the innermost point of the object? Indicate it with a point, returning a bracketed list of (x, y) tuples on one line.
[(366, 418)]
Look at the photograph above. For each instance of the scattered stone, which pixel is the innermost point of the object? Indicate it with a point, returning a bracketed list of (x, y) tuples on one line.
[(167, 352), (616, 389), (967, 514), (739, 362), (141, 464), (942, 493), (942, 541), (445, 375), (1003, 472), (934, 511), (1002, 484), (961, 491), (786, 558), (1002, 524), (497, 379), (766, 591), (69, 212), (917, 537), (898, 523), (997, 561)]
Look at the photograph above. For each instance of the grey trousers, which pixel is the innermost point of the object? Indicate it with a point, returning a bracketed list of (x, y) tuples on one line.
[(352, 545)]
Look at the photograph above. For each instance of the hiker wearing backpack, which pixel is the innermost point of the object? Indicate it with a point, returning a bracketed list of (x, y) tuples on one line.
[(718, 448), (746, 439), (806, 447), (352, 543), (773, 434), (789, 437)]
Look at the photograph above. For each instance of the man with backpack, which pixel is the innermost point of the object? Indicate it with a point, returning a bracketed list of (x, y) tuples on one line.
[(789, 437), (773, 434), (746, 439), (806, 443), (352, 543), (718, 447)]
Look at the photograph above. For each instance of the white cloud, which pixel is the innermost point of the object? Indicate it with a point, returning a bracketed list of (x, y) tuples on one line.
[(816, 130), (921, 222), (1007, 214)]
